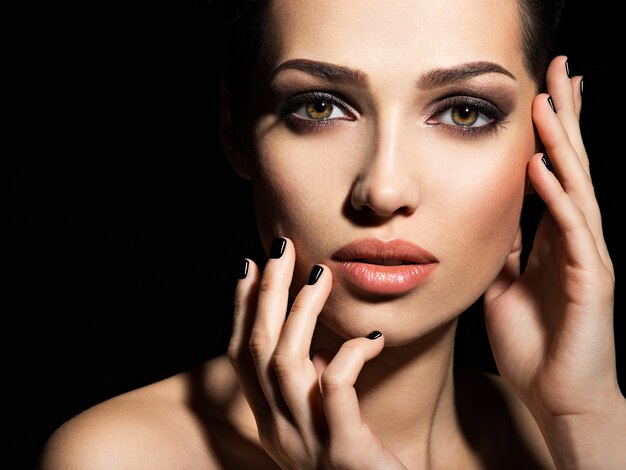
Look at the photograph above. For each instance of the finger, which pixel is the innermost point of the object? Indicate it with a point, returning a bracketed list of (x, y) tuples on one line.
[(272, 303), (292, 362), (581, 244), (567, 100), (577, 90), (341, 404), (571, 173), (246, 292)]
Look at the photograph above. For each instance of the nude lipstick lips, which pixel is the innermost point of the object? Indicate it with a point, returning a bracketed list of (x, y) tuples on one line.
[(376, 266)]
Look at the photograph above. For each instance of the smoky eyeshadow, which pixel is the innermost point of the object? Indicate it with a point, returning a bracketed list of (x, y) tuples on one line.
[(502, 96)]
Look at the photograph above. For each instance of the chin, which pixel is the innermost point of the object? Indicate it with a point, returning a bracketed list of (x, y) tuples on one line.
[(400, 325)]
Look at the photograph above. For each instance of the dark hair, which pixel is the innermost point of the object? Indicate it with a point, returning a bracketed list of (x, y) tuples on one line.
[(540, 21)]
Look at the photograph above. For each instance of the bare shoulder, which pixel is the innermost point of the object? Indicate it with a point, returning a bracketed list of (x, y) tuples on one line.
[(498, 424), (197, 419)]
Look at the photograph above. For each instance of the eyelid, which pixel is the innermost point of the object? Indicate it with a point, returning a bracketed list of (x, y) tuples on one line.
[(484, 106), (496, 117), (292, 104)]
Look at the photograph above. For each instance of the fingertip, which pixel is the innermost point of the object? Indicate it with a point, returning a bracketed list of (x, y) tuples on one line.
[(540, 162), (314, 274), (546, 162), (376, 342), (244, 266), (560, 61), (277, 248), (246, 278), (542, 176), (374, 335), (245, 269), (539, 102), (581, 88)]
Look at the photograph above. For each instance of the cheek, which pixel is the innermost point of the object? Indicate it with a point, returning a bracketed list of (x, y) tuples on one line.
[(295, 187), (485, 211)]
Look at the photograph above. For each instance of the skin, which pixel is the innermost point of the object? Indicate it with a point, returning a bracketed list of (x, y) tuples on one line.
[(388, 173), (312, 391)]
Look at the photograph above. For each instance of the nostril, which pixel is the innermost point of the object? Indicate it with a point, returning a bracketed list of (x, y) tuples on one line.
[(385, 190), (382, 208)]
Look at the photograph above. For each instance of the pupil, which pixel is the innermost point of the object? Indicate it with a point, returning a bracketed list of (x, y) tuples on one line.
[(320, 106), (464, 113)]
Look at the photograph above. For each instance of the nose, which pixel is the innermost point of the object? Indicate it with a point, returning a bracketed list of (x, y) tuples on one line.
[(387, 184)]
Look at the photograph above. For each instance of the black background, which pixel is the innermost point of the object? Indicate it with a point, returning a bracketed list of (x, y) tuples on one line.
[(123, 222)]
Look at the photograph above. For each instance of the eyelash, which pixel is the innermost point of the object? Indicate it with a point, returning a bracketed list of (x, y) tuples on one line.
[(292, 105), (484, 108), (492, 113)]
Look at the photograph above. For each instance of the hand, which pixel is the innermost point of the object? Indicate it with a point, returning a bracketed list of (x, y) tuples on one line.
[(306, 408), (551, 328)]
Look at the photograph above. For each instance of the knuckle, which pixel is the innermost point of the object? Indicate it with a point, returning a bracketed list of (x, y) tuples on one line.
[(258, 343), (266, 286), (233, 352), (283, 361), (332, 380), (236, 353)]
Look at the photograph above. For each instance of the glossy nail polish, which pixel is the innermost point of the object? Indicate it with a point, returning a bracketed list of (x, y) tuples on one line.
[(581, 86), (551, 103), (243, 269), (374, 335), (546, 162), (567, 68), (278, 247), (316, 272)]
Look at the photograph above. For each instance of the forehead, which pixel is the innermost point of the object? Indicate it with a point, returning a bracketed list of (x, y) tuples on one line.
[(384, 34)]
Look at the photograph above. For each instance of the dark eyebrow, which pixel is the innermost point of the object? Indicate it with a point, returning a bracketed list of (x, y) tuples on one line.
[(447, 76), (432, 79), (325, 71)]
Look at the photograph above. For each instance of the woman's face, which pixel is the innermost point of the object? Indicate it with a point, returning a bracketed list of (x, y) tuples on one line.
[(386, 125)]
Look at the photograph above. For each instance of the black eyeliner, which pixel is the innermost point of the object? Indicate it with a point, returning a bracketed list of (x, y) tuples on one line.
[(289, 106), (496, 117)]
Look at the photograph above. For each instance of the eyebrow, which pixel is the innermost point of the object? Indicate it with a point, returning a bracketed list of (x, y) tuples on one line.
[(447, 76), (325, 71), (435, 78)]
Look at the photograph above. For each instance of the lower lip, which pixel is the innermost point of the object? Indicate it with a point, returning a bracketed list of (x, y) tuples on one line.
[(384, 280)]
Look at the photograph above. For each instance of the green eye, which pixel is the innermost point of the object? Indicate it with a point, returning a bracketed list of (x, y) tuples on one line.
[(465, 116), (316, 106), (319, 110)]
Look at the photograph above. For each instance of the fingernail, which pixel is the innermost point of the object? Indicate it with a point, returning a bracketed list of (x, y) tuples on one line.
[(546, 162), (567, 68), (243, 269), (374, 334), (581, 86), (551, 103), (278, 247), (316, 272)]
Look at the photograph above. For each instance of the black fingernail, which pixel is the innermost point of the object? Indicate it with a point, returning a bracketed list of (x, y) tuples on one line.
[(316, 272), (567, 68), (551, 103), (581, 86), (243, 269), (278, 247), (546, 162), (374, 334)]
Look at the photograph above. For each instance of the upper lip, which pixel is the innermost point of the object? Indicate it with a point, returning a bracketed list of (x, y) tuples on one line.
[(384, 252)]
